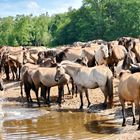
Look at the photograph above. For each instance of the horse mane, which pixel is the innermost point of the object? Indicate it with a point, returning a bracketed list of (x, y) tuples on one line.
[(90, 57), (80, 61), (59, 56), (134, 69), (124, 62), (66, 50), (69, 63), (128, 55), (49, 53)]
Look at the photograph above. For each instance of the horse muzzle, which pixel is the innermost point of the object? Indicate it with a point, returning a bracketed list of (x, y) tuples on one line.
[(57, 79)]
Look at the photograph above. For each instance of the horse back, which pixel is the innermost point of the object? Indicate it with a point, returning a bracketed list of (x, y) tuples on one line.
[(129, 87)]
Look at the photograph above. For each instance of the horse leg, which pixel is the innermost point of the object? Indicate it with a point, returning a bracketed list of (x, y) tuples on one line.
[(19, 68), (48, 99), (139, 116), (12, 70), (21, 91), (6, 68), (15, 70), (86, 92), (36, 92), (81, 96), (138, 109), (133, 112), (109, 90), (76, 91), (123, 112), (43, 91), (68, 89), (27, 91), (60, 94), (72, 83), (104, 90)]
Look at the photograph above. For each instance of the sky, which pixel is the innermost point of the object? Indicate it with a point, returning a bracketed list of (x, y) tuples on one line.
[(36, 7)]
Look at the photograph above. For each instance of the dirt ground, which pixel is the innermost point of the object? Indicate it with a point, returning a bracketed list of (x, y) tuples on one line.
[(12, 95)]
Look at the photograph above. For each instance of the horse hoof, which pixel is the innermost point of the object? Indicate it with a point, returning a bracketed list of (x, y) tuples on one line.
[(133, 123), (88, 105), (48, 104), (138, 128), (104, 105), (123, 125), (81, 108)]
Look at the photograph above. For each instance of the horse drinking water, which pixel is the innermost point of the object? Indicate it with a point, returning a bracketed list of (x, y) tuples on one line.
[(88, 78)]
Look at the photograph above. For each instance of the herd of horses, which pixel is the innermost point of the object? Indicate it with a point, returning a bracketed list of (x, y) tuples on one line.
[(84, 65)]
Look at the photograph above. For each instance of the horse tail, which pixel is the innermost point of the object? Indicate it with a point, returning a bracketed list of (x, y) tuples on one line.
[(109, 85)]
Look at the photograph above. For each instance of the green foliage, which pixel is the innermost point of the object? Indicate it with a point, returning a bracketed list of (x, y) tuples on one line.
[(95, 19)]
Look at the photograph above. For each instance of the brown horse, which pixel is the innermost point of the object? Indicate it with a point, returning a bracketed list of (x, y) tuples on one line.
[(129, 90), (45, 76), (27, 72)]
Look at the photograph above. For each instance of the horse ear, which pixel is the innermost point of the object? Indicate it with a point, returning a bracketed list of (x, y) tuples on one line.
[(134, 44), (109, 45), (123, 71), (120, 75)]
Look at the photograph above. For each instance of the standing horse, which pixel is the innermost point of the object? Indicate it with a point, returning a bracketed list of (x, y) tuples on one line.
[(88, 78), (45, 76), (129, 90)]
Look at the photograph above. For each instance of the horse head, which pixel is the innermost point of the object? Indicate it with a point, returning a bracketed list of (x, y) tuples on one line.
[(60, 72), (60, 56), (128, 60), (83, 61), (110, 49), (104, 49)]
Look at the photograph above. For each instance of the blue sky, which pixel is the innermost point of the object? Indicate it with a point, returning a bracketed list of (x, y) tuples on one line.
[(36, 7)]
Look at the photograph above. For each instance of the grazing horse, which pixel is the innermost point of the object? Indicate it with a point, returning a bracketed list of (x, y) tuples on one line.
[(88, 78), (129, 90)]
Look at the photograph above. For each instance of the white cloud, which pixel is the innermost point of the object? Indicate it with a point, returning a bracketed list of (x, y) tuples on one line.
[(36, 7), (63, 7), (33, 5)]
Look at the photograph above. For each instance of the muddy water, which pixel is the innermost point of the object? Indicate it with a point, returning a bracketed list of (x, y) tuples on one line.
[(18, 122)]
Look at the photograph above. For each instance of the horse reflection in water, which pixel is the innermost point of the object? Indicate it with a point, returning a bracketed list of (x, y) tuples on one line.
[(88, 78)]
